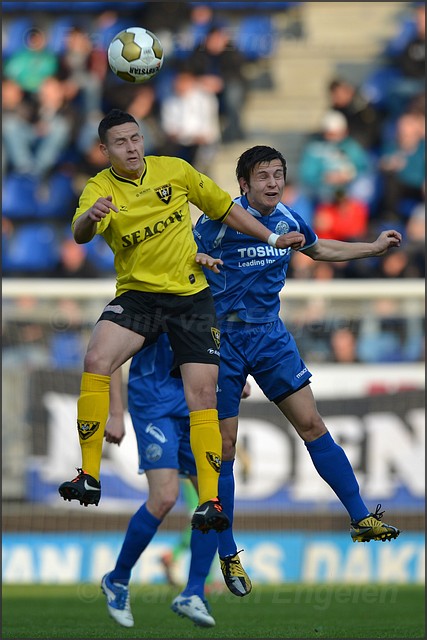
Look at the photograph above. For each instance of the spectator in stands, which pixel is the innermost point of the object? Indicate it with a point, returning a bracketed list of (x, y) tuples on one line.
[(402, 266), (33, 63), (194, 32), (409, 60), (379, 336), (335, 161), (35, 146), (79, 68), (345, 218), (343, 344), (190, 119), (144, 107), (91, 158), (73, 262), (406, 30), (415, 239), (219, 61), (24, 342), (364, 120), (17, 113), (41, 138), (402, 167)]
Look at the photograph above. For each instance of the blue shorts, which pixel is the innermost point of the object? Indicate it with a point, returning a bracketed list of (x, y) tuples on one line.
[(164, 443), (268, 352)]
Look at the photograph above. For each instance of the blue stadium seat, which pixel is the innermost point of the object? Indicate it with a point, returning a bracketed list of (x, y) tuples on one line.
[(256, 37), (32, 248), (19, 196), (14, 34), (59, 199), (100, 254)]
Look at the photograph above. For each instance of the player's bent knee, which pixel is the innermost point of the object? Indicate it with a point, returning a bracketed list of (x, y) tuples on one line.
[(96, 362), (161, 506)]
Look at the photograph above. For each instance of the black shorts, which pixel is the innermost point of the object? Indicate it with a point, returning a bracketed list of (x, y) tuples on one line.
[(190, 322)]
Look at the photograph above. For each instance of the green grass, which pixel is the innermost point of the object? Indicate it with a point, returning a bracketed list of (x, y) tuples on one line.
[(286, 611)]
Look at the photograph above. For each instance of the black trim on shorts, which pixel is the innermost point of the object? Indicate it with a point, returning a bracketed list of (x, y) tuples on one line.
[(290, 393)]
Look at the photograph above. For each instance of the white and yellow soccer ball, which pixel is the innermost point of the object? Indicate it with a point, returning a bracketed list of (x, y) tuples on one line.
[(135, 55)]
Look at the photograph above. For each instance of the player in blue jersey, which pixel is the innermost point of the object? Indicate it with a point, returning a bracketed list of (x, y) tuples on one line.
[(255, 341), (160, 418), (159, 414)]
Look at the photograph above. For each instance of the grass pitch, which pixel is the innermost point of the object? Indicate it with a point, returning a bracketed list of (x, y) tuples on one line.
[(282, 611)]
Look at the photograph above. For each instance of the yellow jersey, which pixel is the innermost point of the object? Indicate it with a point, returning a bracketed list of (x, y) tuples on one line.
[(151, 235)]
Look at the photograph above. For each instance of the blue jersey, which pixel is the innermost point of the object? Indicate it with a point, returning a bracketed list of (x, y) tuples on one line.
[(159, 412), (263, 268), (152, 391), (254, 340)]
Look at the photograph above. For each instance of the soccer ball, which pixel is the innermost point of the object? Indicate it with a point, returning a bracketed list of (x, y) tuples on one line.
[(135, 55)]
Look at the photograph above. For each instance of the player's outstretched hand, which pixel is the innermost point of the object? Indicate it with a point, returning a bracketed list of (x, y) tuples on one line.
[(386, 240), (293, 239), (207, 261), (101, 208)]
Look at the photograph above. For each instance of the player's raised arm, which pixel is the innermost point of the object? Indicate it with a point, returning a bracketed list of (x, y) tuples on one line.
[(85, 225), (338, 251), (240, 220)]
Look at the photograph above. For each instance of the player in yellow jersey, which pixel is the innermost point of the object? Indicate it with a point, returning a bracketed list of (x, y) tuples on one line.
[(140, 205)]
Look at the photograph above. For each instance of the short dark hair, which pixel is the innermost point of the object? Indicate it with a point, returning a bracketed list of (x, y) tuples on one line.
[(253, 156), (113, 119)]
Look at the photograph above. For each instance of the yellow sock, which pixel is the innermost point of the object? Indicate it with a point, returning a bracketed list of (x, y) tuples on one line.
[(92, 415), (206, 445)]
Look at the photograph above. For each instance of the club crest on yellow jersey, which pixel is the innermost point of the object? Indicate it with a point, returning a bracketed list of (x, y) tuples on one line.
[(164, 193)]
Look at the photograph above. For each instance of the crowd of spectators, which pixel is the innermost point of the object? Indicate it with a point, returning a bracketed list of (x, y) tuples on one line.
[(57, 85), (362, 172)]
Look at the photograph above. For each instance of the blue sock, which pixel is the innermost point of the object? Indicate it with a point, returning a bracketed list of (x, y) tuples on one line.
[(203, 548), (141, 529), (226, 543), (334, 467)]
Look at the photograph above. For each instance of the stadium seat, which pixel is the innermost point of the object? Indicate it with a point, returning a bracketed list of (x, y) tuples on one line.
[(19, 196), (100, 254), (256, 37), (32, 248), (14, 31), (58, 200)]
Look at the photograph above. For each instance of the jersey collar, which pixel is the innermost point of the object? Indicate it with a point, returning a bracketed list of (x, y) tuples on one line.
[(137, 183), (256, 214)]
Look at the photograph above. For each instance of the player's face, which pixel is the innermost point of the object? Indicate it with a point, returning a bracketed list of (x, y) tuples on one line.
[(266, 186), (125, 150)]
